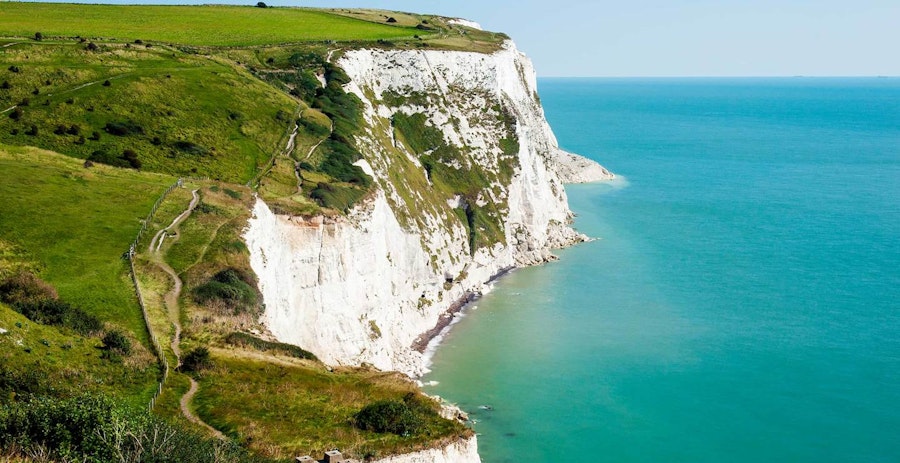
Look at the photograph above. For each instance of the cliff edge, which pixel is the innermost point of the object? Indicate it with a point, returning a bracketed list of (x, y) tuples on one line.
[(469, 183)]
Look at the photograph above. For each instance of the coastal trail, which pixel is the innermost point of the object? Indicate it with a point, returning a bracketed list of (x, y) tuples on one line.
[(173, 311)]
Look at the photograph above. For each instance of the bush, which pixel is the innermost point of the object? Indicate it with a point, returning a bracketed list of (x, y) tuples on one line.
[(16, 113), (38, 36), (115, 341), (5, 85), (131, 158), (246, 340), (74, 129), (14, 68), (25, 287), (196, 360), (123, 128), (93, 428), (190, 148), (231, 287), (60, 130), (59, 313), (389, 416), (33, 131), (126, 160)]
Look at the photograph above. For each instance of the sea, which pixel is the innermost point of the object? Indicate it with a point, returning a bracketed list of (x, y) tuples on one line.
[(741, 302)]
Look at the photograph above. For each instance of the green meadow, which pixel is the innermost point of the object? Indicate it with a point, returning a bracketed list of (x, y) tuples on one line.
[(190, 25)]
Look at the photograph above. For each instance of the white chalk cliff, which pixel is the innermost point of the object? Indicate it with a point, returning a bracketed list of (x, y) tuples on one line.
[(363, 288)]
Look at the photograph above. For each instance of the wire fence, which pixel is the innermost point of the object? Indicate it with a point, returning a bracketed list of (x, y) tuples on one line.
[(157, 347)]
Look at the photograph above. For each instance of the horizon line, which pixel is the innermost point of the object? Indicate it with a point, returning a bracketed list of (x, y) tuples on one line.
[(727, 76)]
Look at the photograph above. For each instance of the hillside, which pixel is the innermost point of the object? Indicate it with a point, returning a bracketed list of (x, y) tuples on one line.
[(159, 163)]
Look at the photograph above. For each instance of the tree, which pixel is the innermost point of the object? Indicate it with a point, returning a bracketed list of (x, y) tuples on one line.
[(261, 5), (38, 36)]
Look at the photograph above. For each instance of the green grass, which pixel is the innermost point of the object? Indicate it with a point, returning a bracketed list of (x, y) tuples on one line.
[(283, 409), (191, 115), (190, 25), (66, 364), (75, 224)]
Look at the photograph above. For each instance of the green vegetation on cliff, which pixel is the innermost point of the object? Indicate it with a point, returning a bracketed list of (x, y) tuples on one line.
[(102, 111)]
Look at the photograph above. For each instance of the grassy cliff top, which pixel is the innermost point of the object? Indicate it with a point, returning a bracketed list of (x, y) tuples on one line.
[(241, 26)]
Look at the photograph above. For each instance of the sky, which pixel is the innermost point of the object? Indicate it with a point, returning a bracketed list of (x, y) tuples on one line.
[(584, 38)]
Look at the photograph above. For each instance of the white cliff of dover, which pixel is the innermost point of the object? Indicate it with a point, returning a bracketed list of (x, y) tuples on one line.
[(363, 288)]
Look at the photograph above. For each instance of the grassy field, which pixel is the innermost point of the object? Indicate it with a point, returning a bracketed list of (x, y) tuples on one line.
[(181, 113), (53, 361), (74, 224), (191, 25), (285, 408)]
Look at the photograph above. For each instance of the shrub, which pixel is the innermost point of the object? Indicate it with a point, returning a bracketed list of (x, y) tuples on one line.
[(14, 68), (33, 131), (123, 128), (60, 130), (190, 148), (231, 287), (107, 83), (196, 360), (16, 113), (80, 140), (95, 135), (246, 340), (115, 341), (38, 36), (59, 313), (391, 20), (91, 46), (94, 428), (131, 158), (261, 5), (5, 85), (389, 416), (25, 287), (74, 129)]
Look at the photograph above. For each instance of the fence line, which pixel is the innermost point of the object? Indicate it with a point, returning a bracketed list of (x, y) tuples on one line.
[(157, 347)]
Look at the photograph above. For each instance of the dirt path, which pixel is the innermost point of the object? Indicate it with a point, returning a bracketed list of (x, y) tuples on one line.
[(186, 410), (174, 311)]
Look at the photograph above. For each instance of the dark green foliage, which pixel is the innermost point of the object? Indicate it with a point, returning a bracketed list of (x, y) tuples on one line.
[(196, 360), (60, 130), (14, 68), (123, 128), (128, 159), (233, 194), (95, 429), (38, 36), (115, 341), (91, 46), (261, 5), (419, 136), (74, 129), (232, 288), (37, 300), (337, 197), (5, 85), (190, 148), (246, 340), (59, 313), (339, 160), (131, 158), (392, 416), (33, 131), (23, 382), (16, 113), (95, 135)]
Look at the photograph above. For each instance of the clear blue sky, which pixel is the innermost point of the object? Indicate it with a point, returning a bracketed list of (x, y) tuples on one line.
[(676, 38)]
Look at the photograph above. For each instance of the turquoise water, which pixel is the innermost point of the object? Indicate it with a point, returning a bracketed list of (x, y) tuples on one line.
[(743, 304)]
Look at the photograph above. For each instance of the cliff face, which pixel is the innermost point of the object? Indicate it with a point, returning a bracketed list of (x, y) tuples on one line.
[(461, 451), (363, 288)]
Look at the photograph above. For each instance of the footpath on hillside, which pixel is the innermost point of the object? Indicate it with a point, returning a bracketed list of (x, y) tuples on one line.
[(156, 255)]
